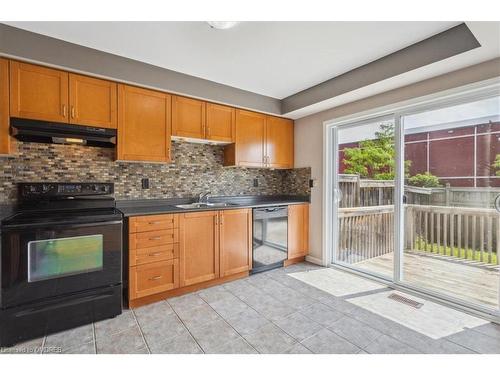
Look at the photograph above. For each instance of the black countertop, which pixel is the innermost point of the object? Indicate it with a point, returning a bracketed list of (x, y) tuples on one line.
[(166, 206)]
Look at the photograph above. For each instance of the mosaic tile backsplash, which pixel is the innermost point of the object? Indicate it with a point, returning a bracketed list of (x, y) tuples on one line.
[(195, 168)]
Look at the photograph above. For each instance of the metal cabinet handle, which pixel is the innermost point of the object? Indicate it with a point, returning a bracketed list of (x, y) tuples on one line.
[(155, 254), (155, 278), (64, 110), (154, 222), (72, 112), (155, 238)]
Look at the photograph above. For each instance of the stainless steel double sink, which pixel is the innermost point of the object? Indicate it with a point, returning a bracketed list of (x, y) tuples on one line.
[(195, 205)]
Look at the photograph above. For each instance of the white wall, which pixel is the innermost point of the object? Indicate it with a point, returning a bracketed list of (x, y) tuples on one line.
[(309, 131)]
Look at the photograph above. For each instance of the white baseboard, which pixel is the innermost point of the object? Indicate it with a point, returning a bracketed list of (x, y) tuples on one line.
[(314, 260)]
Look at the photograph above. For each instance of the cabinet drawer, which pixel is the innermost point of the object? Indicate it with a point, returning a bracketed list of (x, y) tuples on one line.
[(153, 254), (153, 278), (154, 238), (153, 222)]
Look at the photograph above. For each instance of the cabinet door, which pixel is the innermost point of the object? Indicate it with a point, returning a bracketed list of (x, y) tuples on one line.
[(279, 142), (235, 241), (220, 123), (152, 278), (38, 93), (92, 101), (298, 230), (188, 117), (249, 146), (5, 140), (143, 124), (199, 247)]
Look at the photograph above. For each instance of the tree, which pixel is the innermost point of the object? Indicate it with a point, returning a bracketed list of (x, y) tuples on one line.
[(374, 158)]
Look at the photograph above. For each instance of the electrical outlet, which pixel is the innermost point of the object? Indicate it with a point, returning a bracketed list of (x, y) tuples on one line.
[(145, 183), (255, 182)]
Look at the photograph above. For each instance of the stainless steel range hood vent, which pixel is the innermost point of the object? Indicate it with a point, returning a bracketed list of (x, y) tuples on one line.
[(52, 132)]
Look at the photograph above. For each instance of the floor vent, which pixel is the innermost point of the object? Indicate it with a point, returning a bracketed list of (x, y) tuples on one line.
[(406, 301)]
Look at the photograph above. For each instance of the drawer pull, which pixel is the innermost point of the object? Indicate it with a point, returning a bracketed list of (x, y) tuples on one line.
[(155, 238), (155, 278), (154, 222), (155, 254)]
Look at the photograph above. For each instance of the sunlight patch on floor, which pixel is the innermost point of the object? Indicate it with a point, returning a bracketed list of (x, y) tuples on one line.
[(336, 282), (433, 320)]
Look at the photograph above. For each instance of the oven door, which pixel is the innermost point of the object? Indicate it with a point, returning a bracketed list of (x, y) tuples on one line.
[(39, 262)]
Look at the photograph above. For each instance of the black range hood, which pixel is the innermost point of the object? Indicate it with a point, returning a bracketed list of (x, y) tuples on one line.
[(53, 132)]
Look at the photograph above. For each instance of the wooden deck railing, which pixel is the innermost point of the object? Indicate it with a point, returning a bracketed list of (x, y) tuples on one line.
[(365, 232), (461, 232)]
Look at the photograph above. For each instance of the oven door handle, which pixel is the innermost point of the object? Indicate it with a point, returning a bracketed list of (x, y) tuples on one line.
[(57, 225)]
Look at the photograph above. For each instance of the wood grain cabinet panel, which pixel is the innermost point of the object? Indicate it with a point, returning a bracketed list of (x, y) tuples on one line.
[(153, 222), (199, 247), (235, 241), (221, 123), (153, 254), (38, 93), (279, 142), (298, 230), (144, 125), (188, 117), (248, 149), (5, 139), (92, 102), (153, 278), (153, 238)]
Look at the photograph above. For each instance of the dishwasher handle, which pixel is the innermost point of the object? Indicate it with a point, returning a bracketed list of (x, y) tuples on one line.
[(270, 212)]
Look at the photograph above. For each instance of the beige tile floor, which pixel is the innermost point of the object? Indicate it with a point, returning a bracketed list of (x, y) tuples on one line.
[(300, 309)]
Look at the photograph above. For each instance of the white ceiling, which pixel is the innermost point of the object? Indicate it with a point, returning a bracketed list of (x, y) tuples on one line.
[(276, 59)]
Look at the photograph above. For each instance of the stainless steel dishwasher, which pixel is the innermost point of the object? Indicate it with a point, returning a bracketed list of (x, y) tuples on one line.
[(270, 238)]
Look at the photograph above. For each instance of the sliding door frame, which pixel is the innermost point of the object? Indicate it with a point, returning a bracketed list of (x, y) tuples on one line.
[(473, 92)]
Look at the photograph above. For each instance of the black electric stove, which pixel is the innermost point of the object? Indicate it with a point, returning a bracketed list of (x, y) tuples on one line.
[(61, 260)]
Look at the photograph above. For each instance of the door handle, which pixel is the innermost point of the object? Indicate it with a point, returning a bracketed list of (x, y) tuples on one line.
[(497, 203)]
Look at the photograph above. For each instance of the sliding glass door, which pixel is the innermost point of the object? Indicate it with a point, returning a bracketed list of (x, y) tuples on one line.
[(415, 198), (452, 227)]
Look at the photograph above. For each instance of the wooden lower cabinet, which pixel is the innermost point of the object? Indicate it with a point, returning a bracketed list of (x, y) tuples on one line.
[(199, 247), (153, 278), (235, 241), (298, 230), (173, 254)]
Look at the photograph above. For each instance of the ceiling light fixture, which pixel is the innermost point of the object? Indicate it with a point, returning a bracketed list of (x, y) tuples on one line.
[(222, 25)]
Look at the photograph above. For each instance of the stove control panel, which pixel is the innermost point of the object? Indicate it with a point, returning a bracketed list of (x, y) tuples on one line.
[(39, 190)]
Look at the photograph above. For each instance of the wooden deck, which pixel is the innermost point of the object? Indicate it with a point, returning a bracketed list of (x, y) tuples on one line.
[(470, 282)]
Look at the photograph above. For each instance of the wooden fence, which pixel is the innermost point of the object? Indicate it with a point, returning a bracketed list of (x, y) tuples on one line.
[(358, 192), (460, 232)]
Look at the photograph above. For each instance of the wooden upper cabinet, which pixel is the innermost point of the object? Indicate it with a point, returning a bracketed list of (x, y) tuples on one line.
[(144, 126), (92, 101), (235, 241), (5, 140), (221, 124), (188, 117), (38, 93), (248, 149), (279, 142), (298, 230), (199, 247)]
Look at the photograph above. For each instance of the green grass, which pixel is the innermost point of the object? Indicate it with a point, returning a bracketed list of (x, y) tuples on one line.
[(462, 253)]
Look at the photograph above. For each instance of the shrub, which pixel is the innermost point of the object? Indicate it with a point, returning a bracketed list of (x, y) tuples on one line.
[(426, 179)]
